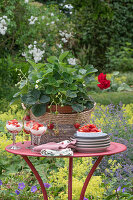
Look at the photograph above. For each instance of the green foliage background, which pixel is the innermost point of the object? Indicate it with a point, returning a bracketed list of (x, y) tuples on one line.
[(100, 25)]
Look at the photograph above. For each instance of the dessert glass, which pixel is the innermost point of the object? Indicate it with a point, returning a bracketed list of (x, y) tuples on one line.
[(38, 130), (14, 127), (27, 126)]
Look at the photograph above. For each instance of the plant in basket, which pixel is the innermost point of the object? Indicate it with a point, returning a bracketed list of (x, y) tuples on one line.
[(57, 82), (59, 86)]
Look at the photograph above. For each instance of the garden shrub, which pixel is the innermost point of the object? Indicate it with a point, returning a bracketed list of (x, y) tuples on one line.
[(99, 25), (16, 35), (120, 59)]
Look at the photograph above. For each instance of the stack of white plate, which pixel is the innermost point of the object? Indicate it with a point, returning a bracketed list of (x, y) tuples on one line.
[(92, 142)]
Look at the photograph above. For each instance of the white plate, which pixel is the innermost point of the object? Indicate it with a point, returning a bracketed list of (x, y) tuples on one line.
[(92, 140), (93, 146), (92, 135), (92, 150)]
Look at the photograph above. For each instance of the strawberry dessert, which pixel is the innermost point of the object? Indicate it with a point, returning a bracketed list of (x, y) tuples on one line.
[(27, 125), (89, 128), (14, 126), (38, 129)]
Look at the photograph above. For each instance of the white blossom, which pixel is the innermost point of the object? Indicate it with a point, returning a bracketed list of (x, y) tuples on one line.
[(64, 40), (24, 54), (68, 6), (37, 81), (52, 14), (43, 17), (52, 22), (68, 35), (35, 42), (3, 24), (72, 61), (32, 20), (34, 52), (59, 46), (26, 1), (30, 46), (61, 33), (47, 24), (36, 86), (5, 17), (37, 54)]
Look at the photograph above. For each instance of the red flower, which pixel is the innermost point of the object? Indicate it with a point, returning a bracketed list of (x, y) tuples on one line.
[(104, 85), (101, 77)]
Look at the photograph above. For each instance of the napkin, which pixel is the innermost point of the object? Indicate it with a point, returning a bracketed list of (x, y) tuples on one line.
[(62, 152), (56, 146)]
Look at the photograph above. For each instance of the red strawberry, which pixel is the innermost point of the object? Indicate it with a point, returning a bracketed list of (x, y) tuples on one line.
[(94, 130), (27, 132), (50, 126), (26, 118), (77, 125), (91, 125)]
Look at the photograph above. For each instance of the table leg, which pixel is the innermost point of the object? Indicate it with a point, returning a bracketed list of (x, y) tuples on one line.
[(70, 179), (89, 176), (37, 177)]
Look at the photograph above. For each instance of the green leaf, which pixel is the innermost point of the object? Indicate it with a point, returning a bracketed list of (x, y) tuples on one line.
[(50, 90), (44, 99), (32, 76), (71, 70), (14, 101), (90, 69), (52, 81), (78, 107), (71, 94), (74, 87), (89, 104), (79, 77), (67, 78), (16, 95), (35, 93), (89, 79), (36, 65), (63, 55), (38, 109), (52, 59), (30, 98), (125, 87), (22, 84), (82, 71), (48, 71)]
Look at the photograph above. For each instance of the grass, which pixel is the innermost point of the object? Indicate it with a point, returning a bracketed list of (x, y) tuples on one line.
[(112, 97)]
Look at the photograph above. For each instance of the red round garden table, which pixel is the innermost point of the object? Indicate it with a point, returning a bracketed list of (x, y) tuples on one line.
[(114, 148)]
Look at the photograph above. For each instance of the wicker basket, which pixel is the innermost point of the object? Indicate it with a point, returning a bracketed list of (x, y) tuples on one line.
[(63, 123)]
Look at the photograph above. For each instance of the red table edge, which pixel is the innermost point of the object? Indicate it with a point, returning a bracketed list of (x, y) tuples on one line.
[(76, 154), (97, 162)]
